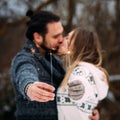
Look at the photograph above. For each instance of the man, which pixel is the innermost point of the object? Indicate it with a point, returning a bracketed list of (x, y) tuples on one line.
[(36, 71)]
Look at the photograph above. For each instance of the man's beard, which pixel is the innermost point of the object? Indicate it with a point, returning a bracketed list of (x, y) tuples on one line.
[(43, 46), (48, 49)]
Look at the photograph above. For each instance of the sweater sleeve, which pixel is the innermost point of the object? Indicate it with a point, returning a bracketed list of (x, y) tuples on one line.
[(102, 88), (92, 80), (82, 74), (23, 72)]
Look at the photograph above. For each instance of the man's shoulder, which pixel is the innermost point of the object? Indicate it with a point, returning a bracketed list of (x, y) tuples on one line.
[(22, 57)]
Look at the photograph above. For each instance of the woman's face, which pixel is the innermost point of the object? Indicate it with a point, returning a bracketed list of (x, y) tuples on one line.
[(65, 47)]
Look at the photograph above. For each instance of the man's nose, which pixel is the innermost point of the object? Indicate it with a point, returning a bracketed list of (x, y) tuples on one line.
[(61, 38)]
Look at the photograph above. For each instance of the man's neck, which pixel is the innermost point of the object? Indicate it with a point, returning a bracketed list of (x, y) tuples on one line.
[(42, 51)]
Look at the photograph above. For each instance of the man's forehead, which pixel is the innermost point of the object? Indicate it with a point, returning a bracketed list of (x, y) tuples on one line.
[(55, 28)]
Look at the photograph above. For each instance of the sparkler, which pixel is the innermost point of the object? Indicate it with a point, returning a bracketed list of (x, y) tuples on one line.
[(51, 68), (51, 64), (68, 58)]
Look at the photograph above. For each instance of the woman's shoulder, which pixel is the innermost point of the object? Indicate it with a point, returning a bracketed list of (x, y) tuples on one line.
[(81, 69)]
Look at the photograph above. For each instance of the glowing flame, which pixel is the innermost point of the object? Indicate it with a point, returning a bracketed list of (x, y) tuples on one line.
[(68, 52), (68, 59)]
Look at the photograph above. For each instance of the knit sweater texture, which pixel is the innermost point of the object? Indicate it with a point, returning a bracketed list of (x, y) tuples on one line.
[(28, 68)]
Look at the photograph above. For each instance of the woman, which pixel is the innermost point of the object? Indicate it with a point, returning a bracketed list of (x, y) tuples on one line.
[(84, 59)]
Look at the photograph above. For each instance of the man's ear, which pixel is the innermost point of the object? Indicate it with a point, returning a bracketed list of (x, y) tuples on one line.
[(38, 39)]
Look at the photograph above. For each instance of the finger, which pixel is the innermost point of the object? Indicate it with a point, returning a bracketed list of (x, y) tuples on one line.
[(36, 92), (46, 96), (46, 93), (76, 87), (91, 117), (77, 92), (73, 83), (75, 97), (95, 111), (41, 99), (45, 86), (95, 115)]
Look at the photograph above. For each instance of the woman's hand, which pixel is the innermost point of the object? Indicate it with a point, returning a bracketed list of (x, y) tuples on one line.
[(95, 115)]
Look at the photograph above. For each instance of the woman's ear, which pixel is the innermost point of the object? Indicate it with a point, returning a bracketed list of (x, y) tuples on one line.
[(38, 39)]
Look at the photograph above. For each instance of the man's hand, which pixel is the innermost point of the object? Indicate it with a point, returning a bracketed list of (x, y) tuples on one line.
[(40, 91), (95, 115), (75, 90)]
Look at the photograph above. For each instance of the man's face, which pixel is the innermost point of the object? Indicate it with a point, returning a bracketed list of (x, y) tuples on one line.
[(54, 37)]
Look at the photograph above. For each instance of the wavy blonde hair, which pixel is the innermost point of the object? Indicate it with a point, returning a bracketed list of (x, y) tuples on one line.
[(86, 47)]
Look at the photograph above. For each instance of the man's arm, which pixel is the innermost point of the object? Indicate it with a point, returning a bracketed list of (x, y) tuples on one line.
[(25, 76)]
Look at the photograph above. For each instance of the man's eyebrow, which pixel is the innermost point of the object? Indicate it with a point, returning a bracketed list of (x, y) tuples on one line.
[(55, 36)]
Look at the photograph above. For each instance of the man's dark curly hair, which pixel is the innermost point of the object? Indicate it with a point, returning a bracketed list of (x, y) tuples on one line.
[(38, 22)]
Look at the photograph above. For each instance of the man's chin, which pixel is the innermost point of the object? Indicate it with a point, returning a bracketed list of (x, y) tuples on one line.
[(60, 53), (54, 50)]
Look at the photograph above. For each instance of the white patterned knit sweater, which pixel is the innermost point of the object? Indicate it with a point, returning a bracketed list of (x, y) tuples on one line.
[(95, 90)]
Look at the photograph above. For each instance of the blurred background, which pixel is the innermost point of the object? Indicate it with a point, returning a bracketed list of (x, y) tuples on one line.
[(100, 15)]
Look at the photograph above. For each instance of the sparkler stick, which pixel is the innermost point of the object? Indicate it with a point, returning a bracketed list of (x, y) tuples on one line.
[(68, 57), (51, 68)]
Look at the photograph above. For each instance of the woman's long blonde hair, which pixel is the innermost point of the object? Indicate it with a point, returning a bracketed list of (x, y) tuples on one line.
[(86, 47)]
